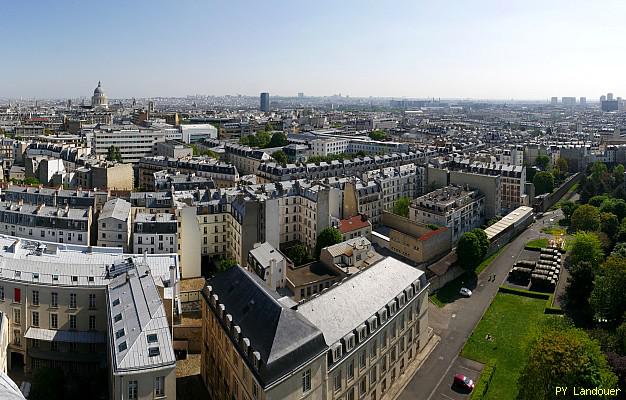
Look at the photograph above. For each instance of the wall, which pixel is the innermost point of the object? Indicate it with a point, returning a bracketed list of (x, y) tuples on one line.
[(543, 203)]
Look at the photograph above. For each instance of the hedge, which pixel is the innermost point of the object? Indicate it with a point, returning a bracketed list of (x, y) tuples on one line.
[(525, 293), (482, 385)]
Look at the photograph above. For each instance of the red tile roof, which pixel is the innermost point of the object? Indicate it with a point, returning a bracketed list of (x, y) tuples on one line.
[(430, 234), (352, 224)]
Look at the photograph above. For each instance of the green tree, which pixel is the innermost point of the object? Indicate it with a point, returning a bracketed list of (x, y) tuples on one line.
[(226, 264), (568, 208), (298, 254), (280, 157), (31, 181), (542, 161), (619, 250), (598, 200), (114, 154), (585, 218), (598, 170), (563, 357), (607, 298), (543, 182), (586, 247), (561, 165), (469, 251), (327, 237), (575, 298), (402, 207), (279, 139), (609, 224), (483, 240), (618, 174), (377, 135)]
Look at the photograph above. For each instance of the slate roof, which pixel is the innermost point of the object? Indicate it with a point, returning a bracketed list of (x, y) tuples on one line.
[(283, 338), (117, 208)]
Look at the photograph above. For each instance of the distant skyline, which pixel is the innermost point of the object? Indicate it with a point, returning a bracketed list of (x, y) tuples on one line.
[(416, 49)]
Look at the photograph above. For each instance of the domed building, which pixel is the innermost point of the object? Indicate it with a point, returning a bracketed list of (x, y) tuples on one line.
[(99, 99)]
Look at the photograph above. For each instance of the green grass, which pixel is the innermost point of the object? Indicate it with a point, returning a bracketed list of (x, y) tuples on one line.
[(552, 230), (540, 243), (512, 321)]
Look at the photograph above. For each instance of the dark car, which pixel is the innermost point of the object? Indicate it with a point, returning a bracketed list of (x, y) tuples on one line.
[(463, 382)]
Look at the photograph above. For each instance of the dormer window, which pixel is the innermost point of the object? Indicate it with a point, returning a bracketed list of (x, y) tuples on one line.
[(348, 340), (373, 323), (362, 331), (382, 315)]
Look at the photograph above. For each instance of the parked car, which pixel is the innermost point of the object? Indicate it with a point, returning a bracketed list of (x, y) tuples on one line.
[(465, 292), (463, 382)]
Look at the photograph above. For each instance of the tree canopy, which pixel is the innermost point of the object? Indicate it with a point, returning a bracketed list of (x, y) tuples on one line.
[(542, 161), (377, 135), (563, 357), (279, 139), (114, 154), (280, 157), (472, 248), (585, 218), (327, 237), (607, 297), (402, 207), (543, 182), (586, 247)]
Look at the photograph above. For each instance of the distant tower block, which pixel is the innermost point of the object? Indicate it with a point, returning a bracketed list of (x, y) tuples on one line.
[(265, 102)]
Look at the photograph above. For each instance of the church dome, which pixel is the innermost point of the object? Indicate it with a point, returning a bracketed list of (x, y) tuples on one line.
[(98, 90)]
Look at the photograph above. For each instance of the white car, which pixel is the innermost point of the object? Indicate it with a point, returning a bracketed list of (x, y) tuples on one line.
[(465, 292)]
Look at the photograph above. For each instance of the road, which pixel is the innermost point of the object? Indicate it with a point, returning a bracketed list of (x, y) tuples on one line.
[(455, 322)]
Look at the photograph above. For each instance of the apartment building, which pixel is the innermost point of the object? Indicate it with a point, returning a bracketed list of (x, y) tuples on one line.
[(304, 351), (329, 146), (40, 222), (397, 182), (459, 209), (62, 300), (223, 174), (354, 227), (114, 224), (269, 264), (57, 197), (155, 233), (133, 142), (152, 202), (246, 159)]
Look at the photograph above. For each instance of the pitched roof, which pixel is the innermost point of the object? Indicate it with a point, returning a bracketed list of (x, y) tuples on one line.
[(283, 338)]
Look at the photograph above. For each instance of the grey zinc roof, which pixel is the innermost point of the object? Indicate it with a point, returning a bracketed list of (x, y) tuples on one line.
[(283, 338), (117, 208), (134, 296), (264, 253), (344, 307)]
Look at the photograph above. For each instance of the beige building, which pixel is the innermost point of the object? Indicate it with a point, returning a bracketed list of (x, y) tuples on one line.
[(416, 242), (308, 352)]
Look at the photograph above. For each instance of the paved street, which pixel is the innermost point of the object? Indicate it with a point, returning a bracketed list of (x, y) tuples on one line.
[(456, 321)]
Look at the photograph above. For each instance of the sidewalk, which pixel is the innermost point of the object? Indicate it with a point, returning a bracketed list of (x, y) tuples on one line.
[(403, 380)]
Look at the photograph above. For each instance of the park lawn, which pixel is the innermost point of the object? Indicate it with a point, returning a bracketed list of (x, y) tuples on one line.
[(540, 243), (553, 230), (512, 321)]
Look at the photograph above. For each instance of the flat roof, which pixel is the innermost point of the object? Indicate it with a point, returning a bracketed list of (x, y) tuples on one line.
[(511, 218)]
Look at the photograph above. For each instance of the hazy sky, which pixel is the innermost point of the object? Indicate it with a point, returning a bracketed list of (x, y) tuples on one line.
[(472, 48)]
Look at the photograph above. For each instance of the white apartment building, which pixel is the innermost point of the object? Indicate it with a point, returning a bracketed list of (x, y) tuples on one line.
[(396, 182), (459, 209), (134, 143), (192, 133), (269, 264), (40, 222), (308, 351), (155, 233), (61, 301), (329, 146)]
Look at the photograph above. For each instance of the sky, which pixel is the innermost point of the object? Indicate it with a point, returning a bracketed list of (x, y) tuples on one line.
[(480, 49)]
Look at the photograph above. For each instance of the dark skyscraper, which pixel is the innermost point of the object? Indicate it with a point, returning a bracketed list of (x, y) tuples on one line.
[(265, 102)]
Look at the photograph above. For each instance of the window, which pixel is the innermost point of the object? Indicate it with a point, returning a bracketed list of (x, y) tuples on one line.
[(2, 293), (338, 381), (35, 318), (54, 346), (132, 390), (350, 372), (17, 295), (72, 321), (17, 316), (351, 394), (92, 322), (72, 300), (92, 301), (373, 375), (119, 333), (306, 381), (362, 359), (35, 297), (363, 387), (159, 386), (54, 321), (54, 301), (17, 337)]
